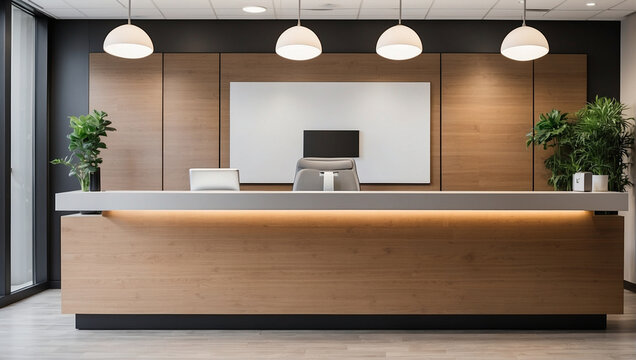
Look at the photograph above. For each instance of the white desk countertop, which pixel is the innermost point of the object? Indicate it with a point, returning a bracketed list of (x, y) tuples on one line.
[(341, 200)]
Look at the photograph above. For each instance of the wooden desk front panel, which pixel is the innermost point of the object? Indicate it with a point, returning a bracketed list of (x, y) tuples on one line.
[(342, 262)]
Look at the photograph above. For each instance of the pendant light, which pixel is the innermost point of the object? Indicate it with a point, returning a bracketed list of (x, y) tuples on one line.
[(524, 43), (298, 42), (128, 41), (399, 42)]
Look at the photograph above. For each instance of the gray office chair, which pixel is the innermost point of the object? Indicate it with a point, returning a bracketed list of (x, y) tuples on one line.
[(326, 174)]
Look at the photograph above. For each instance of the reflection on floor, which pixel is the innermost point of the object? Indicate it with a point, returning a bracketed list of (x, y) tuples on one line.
[(35, 329)]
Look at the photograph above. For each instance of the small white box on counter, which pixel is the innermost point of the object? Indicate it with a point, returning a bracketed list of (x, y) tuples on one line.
[(582, 181)]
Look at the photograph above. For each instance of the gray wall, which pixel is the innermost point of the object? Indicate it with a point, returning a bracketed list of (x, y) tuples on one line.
[(72, 40)]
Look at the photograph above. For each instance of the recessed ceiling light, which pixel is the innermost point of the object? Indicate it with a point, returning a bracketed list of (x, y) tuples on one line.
[(591, 4), (254, 9)]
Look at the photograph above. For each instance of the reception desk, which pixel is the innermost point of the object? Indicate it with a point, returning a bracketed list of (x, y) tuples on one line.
[(271, 260)]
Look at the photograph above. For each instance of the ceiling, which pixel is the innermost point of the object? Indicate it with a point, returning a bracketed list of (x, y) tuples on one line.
[(339, 9)]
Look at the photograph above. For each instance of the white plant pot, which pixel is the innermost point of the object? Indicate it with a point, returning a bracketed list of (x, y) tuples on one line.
[(599, 183)]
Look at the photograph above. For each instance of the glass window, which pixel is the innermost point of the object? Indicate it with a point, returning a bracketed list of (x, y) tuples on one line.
[(22, 131)]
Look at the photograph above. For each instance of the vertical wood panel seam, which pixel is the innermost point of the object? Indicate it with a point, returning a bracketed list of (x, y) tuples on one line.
[(163, 107), (219, 100), (441, 116), (532, 121)]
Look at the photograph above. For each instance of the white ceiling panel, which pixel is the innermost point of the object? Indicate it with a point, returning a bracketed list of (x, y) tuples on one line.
[(392, 14), (581, 4), (318, 14), (239, 4), (190, 13), (67, 13), (612, 15), (319, 4), (338, 9), (94, 4), (394, 4), (626, 5), (411, 14), (462, 5), (379, 14), (240, 14), (181, 4), (437, 14), (138, 4), (502, 14), (532, 4), (569, 15), (122, 13), (52, 4)]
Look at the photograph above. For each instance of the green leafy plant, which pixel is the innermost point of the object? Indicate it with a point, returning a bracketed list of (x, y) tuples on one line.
[(604, 137), (85, 145), (555, 131), (598, 140)]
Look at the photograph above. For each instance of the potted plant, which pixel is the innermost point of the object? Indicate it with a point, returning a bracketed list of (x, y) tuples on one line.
[(604, 137), (85, 146), (555, 131)]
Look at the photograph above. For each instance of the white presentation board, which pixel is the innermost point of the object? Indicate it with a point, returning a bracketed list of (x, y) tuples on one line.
[(267, 120)]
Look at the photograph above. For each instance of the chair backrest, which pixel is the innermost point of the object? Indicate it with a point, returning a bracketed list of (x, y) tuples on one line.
[(311, 174), (214, 179)]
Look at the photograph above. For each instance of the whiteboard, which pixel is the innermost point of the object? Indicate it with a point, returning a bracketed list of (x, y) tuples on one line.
[(267, 120)]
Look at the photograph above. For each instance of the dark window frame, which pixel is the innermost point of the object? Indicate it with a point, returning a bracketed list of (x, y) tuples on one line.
[(40, 236)]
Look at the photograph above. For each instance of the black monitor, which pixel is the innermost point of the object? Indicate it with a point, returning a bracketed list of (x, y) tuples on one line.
[(331, 143)]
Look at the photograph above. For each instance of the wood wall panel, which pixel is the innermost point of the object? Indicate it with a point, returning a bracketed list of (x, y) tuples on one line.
[(334, 67), (487, 111), (130, 91), (191, 116), (342, 262), (560, 82)]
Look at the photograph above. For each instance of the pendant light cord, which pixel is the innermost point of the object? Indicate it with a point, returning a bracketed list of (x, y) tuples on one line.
[(298, 12), (129, 1), (400, 17), (524, 12)]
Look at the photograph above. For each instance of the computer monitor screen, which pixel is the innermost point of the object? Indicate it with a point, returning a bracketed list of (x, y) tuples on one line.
[(331, 143)]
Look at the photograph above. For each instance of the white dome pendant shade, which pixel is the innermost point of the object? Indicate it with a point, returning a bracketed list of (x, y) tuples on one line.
[(524, 43), (128, 41), (298, 43), (399, 42)]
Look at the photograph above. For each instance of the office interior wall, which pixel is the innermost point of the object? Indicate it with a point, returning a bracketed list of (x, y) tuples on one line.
[(190, 116), (486, 112), (71, 41), (628, 97), (131, 92)]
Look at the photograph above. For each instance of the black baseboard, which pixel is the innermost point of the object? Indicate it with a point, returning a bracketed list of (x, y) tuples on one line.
[(55, 284), (23, 294), (340, 322), (629, 286)]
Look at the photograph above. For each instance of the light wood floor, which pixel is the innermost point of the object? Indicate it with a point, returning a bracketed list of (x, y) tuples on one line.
[(35, 329)]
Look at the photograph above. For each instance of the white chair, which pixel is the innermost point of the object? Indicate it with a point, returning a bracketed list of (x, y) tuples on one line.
[(326, 174)]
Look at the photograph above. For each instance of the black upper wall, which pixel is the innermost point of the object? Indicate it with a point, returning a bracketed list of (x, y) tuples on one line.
[(70, 42)]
